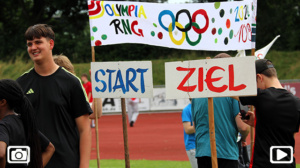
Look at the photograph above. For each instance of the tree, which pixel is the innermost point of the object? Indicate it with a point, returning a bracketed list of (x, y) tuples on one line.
[(67, 18), (278, 18)]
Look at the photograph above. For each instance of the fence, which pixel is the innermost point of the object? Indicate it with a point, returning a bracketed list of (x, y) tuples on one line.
[(159, 102)]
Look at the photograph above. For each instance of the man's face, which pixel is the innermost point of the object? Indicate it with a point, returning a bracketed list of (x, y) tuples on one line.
[(40, 49)]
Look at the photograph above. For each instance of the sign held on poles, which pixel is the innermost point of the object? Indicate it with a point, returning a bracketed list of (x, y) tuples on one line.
[(221, 77), (122, 79)]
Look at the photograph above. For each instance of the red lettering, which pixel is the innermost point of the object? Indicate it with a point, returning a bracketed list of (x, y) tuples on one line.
[(200, 79), (210, 80), (186, 88), (231, 80), (131, 8), (134, 23)]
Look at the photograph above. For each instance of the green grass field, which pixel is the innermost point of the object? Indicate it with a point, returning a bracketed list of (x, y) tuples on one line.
[(140, 164), (144, 164)]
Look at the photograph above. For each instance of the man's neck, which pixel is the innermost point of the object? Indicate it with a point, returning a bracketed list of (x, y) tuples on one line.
[(45, 68), (8, 112), (273, 82)]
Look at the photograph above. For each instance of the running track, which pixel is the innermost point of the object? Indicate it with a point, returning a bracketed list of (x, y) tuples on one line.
[(155, 136)]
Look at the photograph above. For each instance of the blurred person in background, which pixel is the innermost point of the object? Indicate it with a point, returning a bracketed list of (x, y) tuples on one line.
[(133, 110), (189, 134)]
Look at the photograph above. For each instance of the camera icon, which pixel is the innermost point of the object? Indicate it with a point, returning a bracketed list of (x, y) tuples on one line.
[(18, 154)]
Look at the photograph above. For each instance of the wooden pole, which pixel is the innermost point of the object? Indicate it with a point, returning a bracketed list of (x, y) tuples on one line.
[(252, 109), (212, 136), (213, 147), (125, 135), (93, 54), (96, 120)]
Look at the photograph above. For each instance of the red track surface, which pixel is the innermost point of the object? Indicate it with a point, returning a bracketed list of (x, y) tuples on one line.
[(155, 136)]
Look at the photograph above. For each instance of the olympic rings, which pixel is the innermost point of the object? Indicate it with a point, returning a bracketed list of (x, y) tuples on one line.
[(191, 20), (192, 24)]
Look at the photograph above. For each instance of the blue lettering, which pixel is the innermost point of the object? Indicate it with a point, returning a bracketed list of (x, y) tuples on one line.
[(129, 82), (109, 78), (121, 85), (112, 12), (136, 10), (142, 78), (102, 81)]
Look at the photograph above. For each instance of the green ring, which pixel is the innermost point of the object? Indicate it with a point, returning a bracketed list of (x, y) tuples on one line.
[(193, 43)]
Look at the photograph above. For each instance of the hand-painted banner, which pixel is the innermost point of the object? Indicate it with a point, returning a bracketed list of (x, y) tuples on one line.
[(199, 26), (253, 30), (122, 79), (211, 78)]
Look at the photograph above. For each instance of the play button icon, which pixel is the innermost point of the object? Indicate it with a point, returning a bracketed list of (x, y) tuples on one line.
[(281, 154)]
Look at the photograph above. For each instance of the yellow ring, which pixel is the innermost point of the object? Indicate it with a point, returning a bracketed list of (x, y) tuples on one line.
[(171, 34)]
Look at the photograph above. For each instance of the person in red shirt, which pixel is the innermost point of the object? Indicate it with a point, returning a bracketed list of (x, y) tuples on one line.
[(87, 86), (88, 89)]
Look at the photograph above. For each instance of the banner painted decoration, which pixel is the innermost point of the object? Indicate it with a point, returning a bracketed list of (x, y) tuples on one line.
[(130, 79), (222, 77), (218, 26)]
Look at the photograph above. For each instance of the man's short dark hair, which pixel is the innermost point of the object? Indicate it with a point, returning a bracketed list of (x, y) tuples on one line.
[(38, 31)]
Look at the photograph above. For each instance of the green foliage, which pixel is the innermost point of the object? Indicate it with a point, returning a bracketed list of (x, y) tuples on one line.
[(286, 63), (278, 18), (14, 68), (140, 164), (66, 17), (158, 66), (82, 68)]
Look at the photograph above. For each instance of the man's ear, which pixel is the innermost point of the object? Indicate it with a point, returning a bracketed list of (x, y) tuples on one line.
[(259, 77), (51, 44), (3, 102)]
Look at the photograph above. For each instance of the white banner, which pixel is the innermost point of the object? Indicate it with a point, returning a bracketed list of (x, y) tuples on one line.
[(211, 78), (122, 79), (214, 26)]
